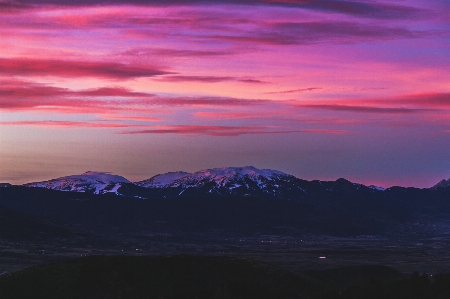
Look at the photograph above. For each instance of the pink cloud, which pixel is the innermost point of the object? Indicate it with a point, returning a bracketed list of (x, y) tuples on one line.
[(209, 79), (226, 115), (264, 114), (402, 104), (27, 96), (68, 124), (16, 89), (177, 52), (74, 68), (294, 90), (430, 99), (111, 92), (206, 101), (133, 118), (363, 109), (226, 130), (426, 100)]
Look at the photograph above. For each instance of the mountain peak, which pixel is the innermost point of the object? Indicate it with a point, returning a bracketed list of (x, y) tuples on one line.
[(238, 180)]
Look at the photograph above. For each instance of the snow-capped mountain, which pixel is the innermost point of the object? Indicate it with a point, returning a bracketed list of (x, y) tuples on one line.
[(239, 181), (162, 180), (91, 182), (442, 184), (228, 181)]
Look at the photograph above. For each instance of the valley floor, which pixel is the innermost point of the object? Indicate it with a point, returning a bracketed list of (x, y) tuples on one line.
[(293, 254)]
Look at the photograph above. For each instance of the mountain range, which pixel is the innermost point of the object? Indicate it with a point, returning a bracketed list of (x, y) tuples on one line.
[(230, 181), (219, 181), (231, 201), (233, 210)]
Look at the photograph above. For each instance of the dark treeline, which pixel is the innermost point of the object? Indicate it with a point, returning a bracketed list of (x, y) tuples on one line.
[(414, 287), (201, 277)]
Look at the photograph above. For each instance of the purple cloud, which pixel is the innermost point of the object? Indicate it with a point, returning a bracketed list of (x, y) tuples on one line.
[(289, 33), (364, 109), (360, 9)]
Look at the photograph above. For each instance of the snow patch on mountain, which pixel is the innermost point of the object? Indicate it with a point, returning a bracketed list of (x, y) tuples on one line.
[(377, 188), (91, 181), (162, 180), (240, 181), (231, 177)]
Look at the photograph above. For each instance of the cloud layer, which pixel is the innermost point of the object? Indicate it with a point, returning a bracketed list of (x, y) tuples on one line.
[(354, 8)]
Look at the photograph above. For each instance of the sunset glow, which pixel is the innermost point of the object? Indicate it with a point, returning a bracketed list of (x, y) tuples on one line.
[(317, 89)]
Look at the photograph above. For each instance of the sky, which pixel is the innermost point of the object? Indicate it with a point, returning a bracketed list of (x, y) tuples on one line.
[(320, 89)]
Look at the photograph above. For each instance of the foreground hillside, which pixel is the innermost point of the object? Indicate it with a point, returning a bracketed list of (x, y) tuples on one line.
[(188, 277), (154, 277)]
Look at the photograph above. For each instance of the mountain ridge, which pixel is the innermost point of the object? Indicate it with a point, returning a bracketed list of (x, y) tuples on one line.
[(225, 181)]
